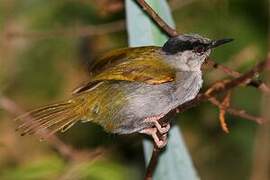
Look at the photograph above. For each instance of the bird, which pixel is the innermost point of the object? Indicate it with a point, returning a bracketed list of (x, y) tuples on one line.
[(131, 89)]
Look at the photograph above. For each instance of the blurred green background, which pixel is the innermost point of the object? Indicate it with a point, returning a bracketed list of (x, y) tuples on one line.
[(45, 50)]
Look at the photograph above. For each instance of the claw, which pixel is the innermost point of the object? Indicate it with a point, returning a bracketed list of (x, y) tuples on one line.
[(164, 130), (154, 119), (160, 143)]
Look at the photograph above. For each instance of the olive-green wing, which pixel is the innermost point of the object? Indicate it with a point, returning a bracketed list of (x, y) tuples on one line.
[(141, 64), (95, 106)]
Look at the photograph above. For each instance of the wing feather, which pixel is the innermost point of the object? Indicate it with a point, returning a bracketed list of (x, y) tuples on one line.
[(141, 64)]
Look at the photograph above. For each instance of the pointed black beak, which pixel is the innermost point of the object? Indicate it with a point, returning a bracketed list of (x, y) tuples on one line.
[(216, 43)]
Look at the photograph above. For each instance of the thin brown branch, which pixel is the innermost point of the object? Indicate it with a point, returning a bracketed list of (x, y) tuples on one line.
[(152, 164), (239, 112), (65, 150), (254, 83), (157, 19), (224, 105), (70, 32), (210, 63)]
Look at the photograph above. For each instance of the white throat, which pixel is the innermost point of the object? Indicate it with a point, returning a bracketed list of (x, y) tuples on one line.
[(187, 60)]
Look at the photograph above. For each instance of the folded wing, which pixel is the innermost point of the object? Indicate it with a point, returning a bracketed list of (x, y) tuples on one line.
[(141, 64)]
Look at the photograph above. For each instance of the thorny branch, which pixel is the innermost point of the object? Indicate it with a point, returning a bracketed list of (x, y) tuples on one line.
[(246, 79)]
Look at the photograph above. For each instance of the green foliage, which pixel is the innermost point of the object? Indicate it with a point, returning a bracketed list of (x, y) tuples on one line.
[(45, 168), (103, 170), (38, 76), (54, 168)]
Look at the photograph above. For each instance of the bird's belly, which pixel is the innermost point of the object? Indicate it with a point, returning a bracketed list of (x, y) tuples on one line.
[(144, 100), (150, 100)]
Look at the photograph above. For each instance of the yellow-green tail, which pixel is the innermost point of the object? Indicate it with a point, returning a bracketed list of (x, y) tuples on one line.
[(51, 118)]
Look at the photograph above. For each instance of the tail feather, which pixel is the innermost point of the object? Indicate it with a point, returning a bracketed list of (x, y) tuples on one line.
[(51, 118), (39, 120)]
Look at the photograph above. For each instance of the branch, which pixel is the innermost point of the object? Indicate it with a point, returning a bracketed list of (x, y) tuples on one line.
[(238, 112), (223, 107), (254, 83), (71, 32), (65, 150), (152, 164), (157, 19)]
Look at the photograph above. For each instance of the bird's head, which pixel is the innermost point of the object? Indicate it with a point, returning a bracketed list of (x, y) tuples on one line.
[(188, 51)]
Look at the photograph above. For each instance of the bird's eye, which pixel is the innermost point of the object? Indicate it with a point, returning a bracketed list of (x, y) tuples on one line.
[(199, 50)]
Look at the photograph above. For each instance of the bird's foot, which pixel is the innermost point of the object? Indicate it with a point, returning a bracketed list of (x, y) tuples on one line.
[(154, 120), (160, 142), (157, 131)]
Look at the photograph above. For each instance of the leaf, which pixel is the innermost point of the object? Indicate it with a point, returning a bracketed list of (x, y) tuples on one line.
[(175, 162)]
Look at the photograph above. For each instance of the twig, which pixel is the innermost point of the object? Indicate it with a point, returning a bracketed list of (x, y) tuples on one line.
[(65, 150), (152, 164), (157, 19), (224, 105), (238, 112), (72, 32), (254, 83)]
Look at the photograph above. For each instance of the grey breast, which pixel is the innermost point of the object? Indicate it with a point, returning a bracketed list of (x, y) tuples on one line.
[(142, 100), (188, 84), (145, 100)]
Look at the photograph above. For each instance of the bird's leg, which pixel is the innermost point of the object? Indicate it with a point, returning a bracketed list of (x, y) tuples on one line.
[(160, 143), (158, 133), (154, 120)]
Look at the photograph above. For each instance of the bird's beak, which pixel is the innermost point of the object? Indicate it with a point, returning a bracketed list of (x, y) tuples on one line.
[(216, 43)]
